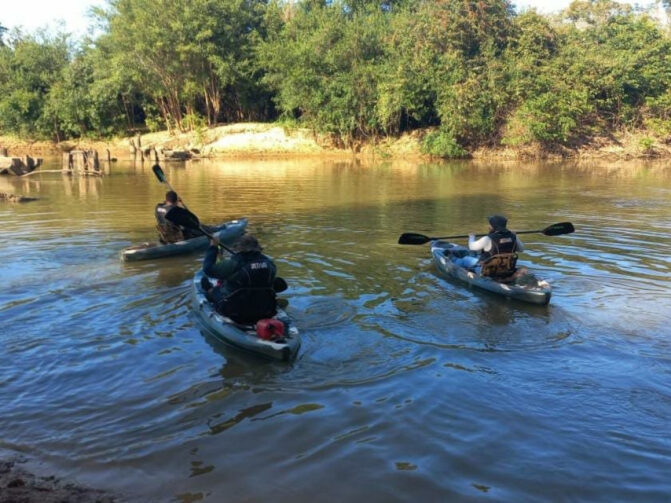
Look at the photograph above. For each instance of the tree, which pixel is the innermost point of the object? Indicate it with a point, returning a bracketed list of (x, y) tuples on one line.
[(30, 66), (324, 64), (185, 53)]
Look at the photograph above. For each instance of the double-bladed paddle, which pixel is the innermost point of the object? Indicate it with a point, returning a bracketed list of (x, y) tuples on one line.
[(411, 238), (184, 218)]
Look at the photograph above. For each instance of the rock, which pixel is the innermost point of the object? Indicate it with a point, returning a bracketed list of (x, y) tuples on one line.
[(18, 166), (167, 155)]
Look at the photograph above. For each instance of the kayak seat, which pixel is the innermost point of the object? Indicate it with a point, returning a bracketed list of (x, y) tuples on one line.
[(249, 305), (500, 267)]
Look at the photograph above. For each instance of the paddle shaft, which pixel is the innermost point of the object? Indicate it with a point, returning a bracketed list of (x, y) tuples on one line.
[(481, 235), (412, 238)]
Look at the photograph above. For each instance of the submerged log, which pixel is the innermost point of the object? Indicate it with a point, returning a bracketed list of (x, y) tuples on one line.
[(14, 198)]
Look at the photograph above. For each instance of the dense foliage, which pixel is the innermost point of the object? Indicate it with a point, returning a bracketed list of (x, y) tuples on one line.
[(475, 72)]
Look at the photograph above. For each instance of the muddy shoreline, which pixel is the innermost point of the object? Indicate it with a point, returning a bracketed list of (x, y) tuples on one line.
[(275, 140), (19, 485)]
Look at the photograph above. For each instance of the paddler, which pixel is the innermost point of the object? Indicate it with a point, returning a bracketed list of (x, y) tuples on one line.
[(245, 292), (167, 231), (499, 241)]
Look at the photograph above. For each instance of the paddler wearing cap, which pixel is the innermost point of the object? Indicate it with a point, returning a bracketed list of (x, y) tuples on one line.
[(245, 291), (499, 240)]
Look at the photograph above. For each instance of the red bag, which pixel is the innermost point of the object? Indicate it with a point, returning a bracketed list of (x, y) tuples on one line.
[(270, 329)]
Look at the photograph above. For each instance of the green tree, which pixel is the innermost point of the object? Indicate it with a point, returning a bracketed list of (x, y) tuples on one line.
[(30, 65), (186, 54), (324, 64), (87, 100)]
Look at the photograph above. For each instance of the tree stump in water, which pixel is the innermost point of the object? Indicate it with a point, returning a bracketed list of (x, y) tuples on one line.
[(84, 162)]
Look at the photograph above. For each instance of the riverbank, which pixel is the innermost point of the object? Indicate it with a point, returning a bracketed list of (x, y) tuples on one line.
[(18, 485), (265, 140)]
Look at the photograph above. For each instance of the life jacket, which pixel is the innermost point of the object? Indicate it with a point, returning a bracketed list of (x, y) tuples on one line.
[(251, 295), (167, 231), (160, 211), (501, 260), (502, 242)]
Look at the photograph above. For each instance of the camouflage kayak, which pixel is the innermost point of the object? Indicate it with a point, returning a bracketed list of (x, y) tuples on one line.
[(525, 288)]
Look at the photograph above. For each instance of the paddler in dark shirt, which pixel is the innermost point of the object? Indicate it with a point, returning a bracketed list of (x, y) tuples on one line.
[(167, 231), (245, 293)]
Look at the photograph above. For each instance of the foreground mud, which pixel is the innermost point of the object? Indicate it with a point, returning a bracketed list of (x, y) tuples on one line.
[(17, 485)]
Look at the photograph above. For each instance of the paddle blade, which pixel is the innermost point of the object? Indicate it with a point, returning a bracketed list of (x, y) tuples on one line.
[(279, 285), (182, 217), (159, 173), (410, 238), (559, 229)]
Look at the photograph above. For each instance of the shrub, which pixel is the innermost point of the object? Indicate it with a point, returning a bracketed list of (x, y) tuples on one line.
[(442, 144)]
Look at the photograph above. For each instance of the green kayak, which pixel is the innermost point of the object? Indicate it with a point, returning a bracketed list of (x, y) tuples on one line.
[(243, 336), (525, 288), (226, 232)]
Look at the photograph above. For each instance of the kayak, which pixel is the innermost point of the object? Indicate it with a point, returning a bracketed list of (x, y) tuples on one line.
[(226, 232), (243, 336), (525, 288)]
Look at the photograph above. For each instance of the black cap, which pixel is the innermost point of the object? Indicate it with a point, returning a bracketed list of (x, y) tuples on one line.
[(248, 243), (498, 222)]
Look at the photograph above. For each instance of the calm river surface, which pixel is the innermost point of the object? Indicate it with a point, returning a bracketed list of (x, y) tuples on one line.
[(408, 387)]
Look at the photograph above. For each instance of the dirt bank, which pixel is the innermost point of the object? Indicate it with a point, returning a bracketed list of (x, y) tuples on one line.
[(17, 485), (271, 140)]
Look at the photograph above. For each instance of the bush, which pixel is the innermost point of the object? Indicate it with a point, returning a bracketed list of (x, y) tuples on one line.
[(646, 143), (442, 144), (658, 114)]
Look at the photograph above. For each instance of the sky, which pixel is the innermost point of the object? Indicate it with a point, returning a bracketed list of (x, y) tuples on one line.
[(34, 14)]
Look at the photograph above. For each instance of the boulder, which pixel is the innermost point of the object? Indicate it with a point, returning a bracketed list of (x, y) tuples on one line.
[(18, 165)]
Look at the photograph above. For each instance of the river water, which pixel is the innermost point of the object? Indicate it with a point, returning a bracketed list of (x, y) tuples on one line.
[(408, 387)]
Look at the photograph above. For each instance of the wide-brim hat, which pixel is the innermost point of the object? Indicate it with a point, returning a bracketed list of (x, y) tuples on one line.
[(248, 243)]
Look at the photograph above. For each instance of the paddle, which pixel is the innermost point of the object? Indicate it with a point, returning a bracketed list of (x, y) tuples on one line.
[(410, 238), (161, 178)]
